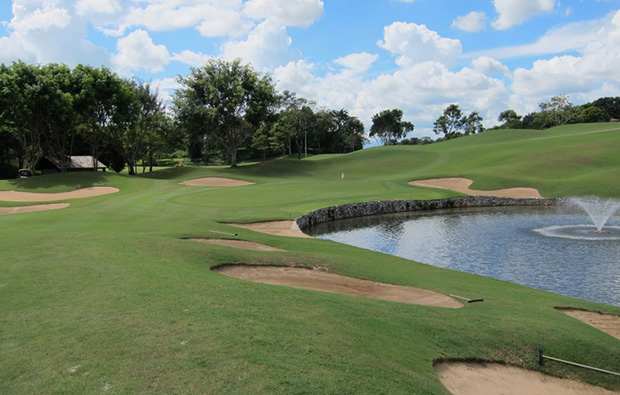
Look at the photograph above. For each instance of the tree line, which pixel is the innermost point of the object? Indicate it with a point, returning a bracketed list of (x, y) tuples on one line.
[(560, 111), (223, 112)]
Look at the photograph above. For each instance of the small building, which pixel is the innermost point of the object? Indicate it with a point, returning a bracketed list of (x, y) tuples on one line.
[(74, 163)]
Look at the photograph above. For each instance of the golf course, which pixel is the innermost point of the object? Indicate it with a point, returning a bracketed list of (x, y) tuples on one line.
[(122, 291)]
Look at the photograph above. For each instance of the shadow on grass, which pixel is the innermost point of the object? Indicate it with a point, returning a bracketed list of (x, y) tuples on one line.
[(54, 181)]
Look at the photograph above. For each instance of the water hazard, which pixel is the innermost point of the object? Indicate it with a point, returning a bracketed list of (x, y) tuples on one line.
[(503, 243)]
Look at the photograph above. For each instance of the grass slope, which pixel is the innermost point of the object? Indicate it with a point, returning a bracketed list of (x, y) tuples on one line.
[(105, 296)]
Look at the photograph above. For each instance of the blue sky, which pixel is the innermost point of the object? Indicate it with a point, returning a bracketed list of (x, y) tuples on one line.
[(363, 56)]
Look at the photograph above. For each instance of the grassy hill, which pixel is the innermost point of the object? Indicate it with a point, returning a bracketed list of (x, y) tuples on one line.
[(106, 296)]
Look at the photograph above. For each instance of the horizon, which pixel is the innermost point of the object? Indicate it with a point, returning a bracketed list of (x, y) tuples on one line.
[(416, 55)]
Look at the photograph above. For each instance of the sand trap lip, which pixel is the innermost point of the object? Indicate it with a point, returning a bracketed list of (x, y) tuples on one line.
[(277, 228), (466, 378), (16, 196), (462, 185), (215, 182), (607, 323), (298, 277), (242, 244), (31, 209)]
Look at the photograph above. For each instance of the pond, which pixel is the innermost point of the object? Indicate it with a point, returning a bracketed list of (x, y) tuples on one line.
[(534, 246)]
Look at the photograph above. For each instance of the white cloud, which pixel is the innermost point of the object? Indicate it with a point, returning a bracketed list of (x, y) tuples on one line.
[(138, 52), (571, 37), (93, 8), (265, 47), (225, 22), (515, 12), (357, 62), (487, 65), (416, 43), (46, 17), (300, 13), (191, 58), (45, 31), (597, 65), (473, 22)]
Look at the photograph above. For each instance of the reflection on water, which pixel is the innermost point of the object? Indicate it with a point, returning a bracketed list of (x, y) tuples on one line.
[(500, 243)]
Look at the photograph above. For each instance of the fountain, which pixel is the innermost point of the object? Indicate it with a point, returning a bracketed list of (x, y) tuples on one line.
[(598, 210)]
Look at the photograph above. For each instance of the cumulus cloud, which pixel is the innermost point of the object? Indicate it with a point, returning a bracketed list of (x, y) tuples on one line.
[(48, 31), (357, 62), (487, 65), (597, 64), (138, 52), (265, 47), (416, 43), (515, 12), (46, 17), (300, 13), (94, 8), (473, 22), (191, 58)]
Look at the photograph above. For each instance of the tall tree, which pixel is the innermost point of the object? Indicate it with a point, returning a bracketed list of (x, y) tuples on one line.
[(558, 109), (231, 99), (453, 123), (23, 87), (389, 127)]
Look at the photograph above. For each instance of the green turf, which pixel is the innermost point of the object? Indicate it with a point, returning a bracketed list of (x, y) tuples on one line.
[(105, 296)]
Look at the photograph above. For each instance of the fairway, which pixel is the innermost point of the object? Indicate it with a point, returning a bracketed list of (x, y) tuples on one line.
[(109, 295)]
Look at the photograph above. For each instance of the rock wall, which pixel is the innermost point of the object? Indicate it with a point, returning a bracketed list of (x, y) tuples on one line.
[(353, 210)]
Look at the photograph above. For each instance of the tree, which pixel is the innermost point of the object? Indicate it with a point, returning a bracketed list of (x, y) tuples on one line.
[(558, 109), (594, 114), (231, 100), (508, 116), (23, 87), (389, 127), (453, 123), (610, 104)]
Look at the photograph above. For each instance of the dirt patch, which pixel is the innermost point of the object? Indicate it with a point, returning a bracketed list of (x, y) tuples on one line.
[(277, 228), (15, 196), (215, 182), (242, 244), (607, 323), (316, 280), (464, 378), (31, 209), (462, 185)]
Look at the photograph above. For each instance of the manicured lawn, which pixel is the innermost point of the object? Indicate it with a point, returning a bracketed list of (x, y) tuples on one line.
[(105, 296)]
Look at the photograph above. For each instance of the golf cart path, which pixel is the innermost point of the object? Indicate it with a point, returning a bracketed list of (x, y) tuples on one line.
[(242, 244), (317, 280), (462, 185), (17, 196)]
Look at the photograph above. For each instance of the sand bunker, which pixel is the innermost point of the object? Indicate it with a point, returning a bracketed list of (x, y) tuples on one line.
[(15, 196), (277, 228), (216, 182), (242, 244), (30, 209), (462, 185), (607, 323), (298, 277), (462, 378)]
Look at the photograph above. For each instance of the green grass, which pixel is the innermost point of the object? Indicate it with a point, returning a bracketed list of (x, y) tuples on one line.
[(105, 296)]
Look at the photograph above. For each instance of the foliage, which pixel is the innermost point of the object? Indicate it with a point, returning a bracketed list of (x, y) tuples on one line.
[(389, 127), (231, 100), (51, 110), (453, 123)]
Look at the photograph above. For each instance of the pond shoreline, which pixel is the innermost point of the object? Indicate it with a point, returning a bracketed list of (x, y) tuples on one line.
[(362, 209)]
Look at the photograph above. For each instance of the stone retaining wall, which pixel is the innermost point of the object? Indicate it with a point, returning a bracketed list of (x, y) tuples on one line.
[(353, 210)]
